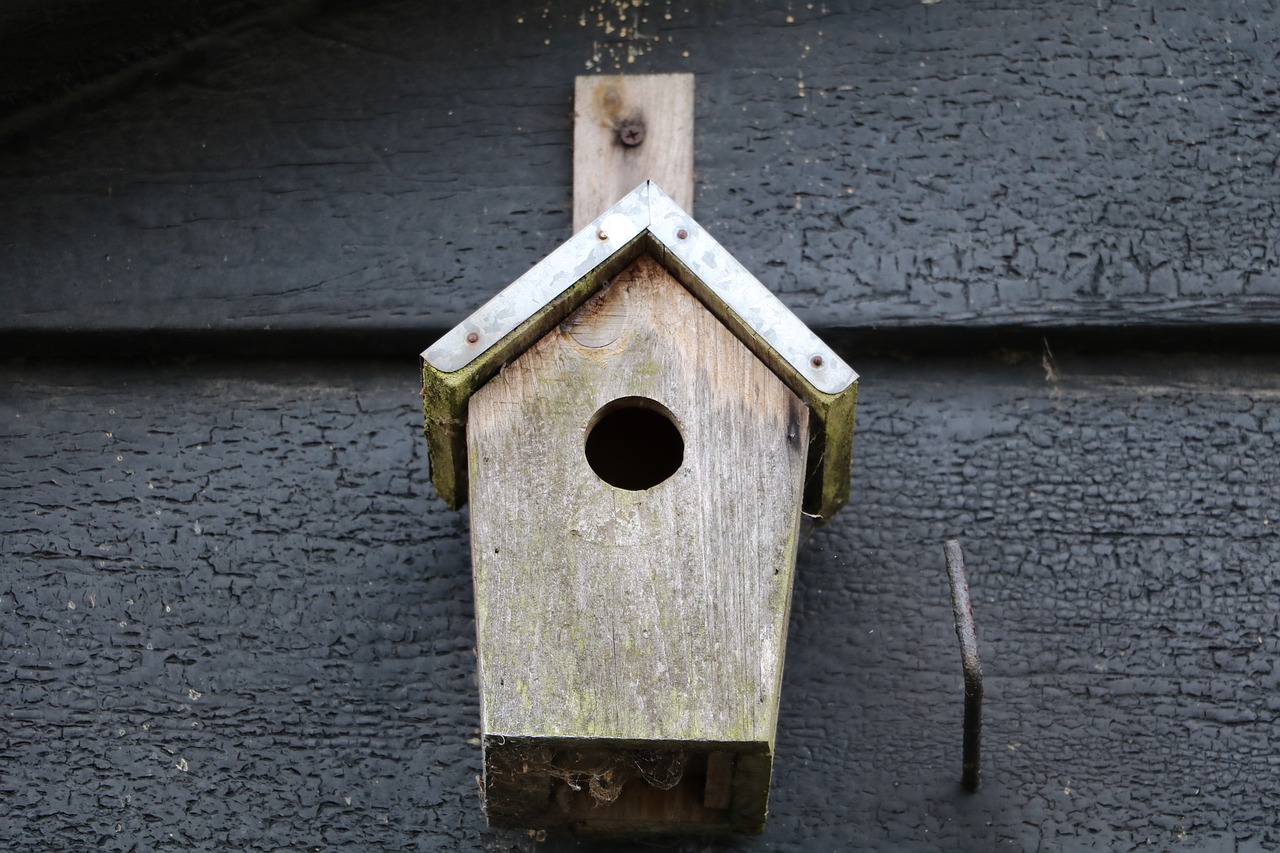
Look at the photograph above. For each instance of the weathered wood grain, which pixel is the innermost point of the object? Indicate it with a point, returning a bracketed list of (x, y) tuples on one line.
[(659, 107), (885, 164), (240, 569), (624, 619)]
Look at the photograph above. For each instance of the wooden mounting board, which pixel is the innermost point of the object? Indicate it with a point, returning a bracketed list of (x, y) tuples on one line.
[(604, 168)]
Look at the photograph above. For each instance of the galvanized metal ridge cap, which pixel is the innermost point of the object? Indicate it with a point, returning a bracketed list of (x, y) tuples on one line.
[(547, 279), (646, 208), (746, 296)]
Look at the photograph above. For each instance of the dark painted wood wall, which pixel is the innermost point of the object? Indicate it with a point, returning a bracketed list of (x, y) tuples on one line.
[(234, 615)]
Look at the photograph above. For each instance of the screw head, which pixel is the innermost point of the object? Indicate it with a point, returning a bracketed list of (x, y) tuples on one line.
[(631, 134), (816, 361), (472, 337), (600, 235), (682, 234)]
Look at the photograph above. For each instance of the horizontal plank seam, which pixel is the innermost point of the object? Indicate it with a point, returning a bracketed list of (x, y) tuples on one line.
[(364, 343)]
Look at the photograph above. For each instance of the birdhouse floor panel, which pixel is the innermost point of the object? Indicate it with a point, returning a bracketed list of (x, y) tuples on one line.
[(622, 787)]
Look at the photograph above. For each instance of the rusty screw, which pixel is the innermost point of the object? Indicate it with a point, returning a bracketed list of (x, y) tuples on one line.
[(472, 337), (816, 361), (682, 234), (631, 134)]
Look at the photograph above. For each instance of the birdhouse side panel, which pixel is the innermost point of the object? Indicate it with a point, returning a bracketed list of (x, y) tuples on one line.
[(641, 610)]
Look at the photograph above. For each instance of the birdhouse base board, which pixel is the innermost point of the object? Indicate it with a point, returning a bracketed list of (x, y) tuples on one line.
[(611, 788)]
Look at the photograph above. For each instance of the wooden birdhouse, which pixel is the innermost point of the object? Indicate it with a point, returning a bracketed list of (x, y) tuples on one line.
[(641, 428)]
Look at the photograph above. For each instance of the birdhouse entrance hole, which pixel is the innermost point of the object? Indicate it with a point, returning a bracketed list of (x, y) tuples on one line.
[(633, 443)]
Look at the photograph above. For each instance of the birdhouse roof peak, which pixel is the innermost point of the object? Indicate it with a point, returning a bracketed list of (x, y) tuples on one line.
[(646, 220)]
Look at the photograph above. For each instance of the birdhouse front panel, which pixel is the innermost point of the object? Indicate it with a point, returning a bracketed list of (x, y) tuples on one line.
[(636, 479)]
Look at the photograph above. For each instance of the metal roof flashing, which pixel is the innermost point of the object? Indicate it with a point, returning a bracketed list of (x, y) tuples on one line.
[(719, 279), (646, 219)]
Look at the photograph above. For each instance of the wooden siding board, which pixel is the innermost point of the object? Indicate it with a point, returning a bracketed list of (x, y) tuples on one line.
[(62, 48), (233, 614), (295, 624), (879, 165)]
